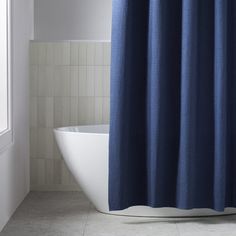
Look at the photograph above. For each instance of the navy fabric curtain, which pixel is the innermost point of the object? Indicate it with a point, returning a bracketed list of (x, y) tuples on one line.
[(173, 104)]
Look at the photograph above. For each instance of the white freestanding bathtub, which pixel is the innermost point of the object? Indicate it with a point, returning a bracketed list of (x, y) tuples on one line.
[(85, 150)]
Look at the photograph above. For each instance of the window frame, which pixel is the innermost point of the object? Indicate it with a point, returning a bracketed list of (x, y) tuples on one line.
[(6, 136)]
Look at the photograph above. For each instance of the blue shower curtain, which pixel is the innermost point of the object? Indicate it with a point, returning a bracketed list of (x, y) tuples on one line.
[(173, 104)]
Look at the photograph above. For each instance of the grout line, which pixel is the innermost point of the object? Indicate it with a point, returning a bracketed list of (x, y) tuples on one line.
[(177, 228), (86, 220)]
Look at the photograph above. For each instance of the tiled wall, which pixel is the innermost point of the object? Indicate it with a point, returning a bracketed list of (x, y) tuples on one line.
[(69, 85)]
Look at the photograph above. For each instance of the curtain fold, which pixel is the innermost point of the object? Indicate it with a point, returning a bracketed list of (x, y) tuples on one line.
[(173, 104)]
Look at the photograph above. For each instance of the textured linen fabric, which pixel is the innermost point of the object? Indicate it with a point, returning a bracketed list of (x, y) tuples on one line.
[(173, 104)]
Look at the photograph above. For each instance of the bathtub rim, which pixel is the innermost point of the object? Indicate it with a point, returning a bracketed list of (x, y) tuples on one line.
[(66, 129)]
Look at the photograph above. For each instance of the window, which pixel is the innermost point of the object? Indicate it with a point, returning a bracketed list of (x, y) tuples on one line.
[(5, 75)]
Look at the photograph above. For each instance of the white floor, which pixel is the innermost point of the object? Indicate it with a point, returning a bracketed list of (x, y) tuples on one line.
[(70, 214)]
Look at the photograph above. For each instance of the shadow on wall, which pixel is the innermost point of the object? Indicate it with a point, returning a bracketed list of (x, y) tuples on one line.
[(73, 19)]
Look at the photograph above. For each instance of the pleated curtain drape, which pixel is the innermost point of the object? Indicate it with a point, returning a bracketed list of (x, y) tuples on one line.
[(173, 104)]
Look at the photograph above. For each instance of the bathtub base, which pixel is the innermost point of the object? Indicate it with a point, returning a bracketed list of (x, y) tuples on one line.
[(85, 151), (143, 211)]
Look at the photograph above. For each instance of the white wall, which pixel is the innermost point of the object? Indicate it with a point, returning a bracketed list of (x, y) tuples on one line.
[(73, 19), (14, 162)]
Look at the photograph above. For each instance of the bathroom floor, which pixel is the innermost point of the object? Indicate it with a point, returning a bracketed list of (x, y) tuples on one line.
[(70, 214)]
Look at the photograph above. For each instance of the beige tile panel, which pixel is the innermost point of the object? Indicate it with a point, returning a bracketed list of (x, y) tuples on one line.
[(45, 112), (45, 81), (69, 86)]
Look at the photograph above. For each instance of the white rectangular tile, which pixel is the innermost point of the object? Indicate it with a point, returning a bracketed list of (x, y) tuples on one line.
[(65, 174), (98, 110), (98, 57), (61, 81), (41, 173), (57, 171), (106, 53), (90, 81), (74, 81), (33, 77), (82, 81), (90, 54), (49, 172), (49, 53), (45, 111), (33, 142), (106, 81), (82, 116), (33, 51), (33, 172), (86, 81), (45, 143), (61, 53), (106, 110), (42, 54), (33, 112), (82, 53), (61, 111), (74, 103), (45, 81), (86, 110), (98, 81), (74, 53)]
